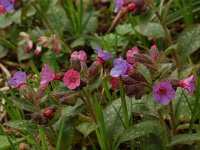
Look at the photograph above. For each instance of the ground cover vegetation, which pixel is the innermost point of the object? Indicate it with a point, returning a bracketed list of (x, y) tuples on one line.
[(99, 74)]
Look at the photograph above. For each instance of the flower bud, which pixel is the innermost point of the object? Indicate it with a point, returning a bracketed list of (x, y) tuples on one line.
[(47, 113), (93, 71), (131, 6), (27, 92), (154, 53), (76, 64), (28, 45), (38, 50), (39, 119), (39, 93), (140, 7)]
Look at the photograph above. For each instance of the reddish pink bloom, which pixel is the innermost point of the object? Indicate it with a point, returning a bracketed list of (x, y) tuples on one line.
[(47, 76), (188, 84), (114, 81), (81, 55), (72, 79), (130, 54)]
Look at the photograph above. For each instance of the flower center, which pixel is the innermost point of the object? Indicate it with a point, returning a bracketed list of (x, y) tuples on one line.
[(73, 79), (2, 9), (162, 91)]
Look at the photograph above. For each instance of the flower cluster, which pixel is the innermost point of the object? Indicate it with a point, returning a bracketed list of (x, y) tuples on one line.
[(164, 91), (136, 7), (51, 42)]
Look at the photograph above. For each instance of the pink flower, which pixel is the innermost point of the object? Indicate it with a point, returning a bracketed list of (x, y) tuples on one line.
[(47, 76), (188, 84), (81, 55), (163, 93), (72, 79), (130, 54)]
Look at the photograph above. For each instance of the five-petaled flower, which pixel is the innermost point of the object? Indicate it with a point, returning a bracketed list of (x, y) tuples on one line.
[(72, 79), (121, 68), (6, 6), (18, 79), (163, 93), (80, 54), (188, 84), (102, 55), (47, 76)]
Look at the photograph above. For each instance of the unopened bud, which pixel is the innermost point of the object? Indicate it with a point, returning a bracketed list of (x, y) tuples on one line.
[(154, 53), (2, 9), (76, 64), (47, 113), (38, 50), (29, 45), (27, 92), (93, 71), (39, 93), (39, 119)]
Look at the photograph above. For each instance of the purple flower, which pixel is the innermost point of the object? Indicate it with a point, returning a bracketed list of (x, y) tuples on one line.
[(103, 55), (121, 68), (18, 79), (188, 84), (47, 76), (163, 93), (118, 5), (6, 6)]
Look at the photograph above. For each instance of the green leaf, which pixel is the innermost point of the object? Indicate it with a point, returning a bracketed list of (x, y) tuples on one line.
[(24, 105), (181, 107), (124, 29), (23, 125), (86, 128), (140, 129), (71, 111), (91, 23), (144, 71), (184, 138), (113, 118), (150, 29), (189, 41), (3, 51), (5, 144), (21, 55), (5, 21), (57, 17), (150, 142)]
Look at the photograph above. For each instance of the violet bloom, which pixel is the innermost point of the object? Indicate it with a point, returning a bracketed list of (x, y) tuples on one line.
[(118, 5), (121, 68), (188, 84), (163, 93), (18, 79), (6, 6), (47, 76), (103, 55)]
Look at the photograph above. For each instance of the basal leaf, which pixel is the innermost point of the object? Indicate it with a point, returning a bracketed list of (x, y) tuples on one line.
[(184, 138), (150, 29)]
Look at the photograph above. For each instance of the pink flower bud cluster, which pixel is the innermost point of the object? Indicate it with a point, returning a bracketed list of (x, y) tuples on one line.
[(27, 43)]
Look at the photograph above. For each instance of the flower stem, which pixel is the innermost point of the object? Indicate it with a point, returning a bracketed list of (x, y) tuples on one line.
[(173, 121), (162, 124), (124, 106)]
